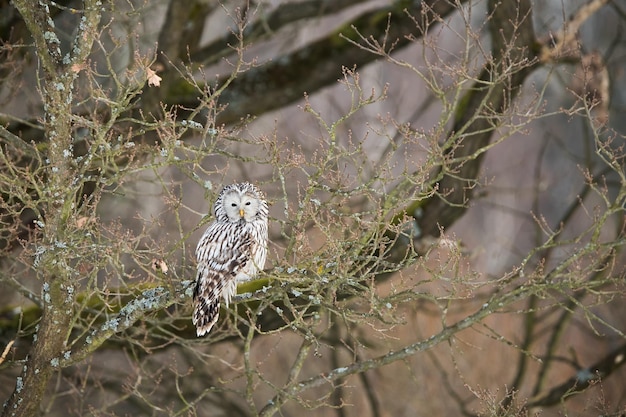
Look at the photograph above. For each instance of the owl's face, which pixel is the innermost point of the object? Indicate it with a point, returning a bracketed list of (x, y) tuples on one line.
[(239, 205)]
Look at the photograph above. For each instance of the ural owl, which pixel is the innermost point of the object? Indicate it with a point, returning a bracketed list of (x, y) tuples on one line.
[(233, 249)]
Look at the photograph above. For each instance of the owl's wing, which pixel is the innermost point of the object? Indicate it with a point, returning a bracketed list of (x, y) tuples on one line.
[(222, 252)]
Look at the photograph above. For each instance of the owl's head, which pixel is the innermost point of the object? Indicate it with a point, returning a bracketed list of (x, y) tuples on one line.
[(240, 201)]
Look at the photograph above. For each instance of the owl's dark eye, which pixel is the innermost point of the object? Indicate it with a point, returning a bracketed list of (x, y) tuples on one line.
[(234, 204), (248, 203)]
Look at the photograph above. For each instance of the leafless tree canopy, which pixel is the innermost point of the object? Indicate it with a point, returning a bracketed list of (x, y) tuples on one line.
[(446, 185)]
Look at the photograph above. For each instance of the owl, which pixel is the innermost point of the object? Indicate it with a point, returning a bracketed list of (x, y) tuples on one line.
[(232, 249)]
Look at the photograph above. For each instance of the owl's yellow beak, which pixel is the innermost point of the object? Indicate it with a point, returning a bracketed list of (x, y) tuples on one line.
[(241, 213)]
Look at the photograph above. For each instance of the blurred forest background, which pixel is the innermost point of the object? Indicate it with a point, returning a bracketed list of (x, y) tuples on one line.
[(447, 189)]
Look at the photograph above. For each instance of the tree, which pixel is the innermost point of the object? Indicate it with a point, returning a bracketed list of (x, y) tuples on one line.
[(447, 192)]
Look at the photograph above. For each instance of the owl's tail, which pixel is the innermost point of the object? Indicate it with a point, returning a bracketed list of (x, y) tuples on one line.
[(206, 300)]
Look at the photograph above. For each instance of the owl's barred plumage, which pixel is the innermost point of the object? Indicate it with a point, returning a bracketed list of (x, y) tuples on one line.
[(232, 249)]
